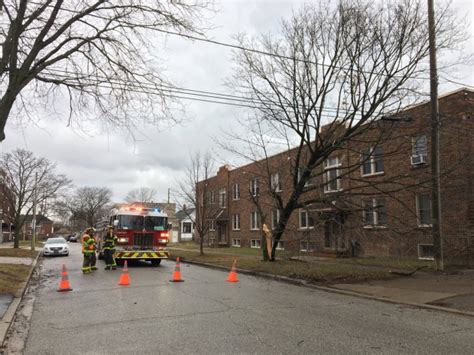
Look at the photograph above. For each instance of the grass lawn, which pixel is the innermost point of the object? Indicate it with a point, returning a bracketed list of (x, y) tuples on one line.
[(27, 244), (12, 276), (193, 247), (18, 252), (321, 272)]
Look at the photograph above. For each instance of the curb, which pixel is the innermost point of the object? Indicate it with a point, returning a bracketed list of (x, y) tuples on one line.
[(10, 314), (304, 283)]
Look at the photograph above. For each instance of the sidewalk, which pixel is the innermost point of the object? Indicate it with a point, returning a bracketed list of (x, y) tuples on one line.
[(450, 290), (10, 302)]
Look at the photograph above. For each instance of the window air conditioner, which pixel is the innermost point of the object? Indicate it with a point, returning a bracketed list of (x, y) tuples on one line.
[(418, 159)]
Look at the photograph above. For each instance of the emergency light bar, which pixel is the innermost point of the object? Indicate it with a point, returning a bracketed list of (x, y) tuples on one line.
[(140, 209)]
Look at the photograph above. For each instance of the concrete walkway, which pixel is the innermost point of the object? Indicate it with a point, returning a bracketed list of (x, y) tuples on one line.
[(16, 260), (455, 290)]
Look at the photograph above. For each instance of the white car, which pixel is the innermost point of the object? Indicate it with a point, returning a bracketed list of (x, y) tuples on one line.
[(55, 246)]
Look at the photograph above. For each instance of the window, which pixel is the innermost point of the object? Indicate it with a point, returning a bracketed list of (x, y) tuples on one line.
[(275, 182), (306, 245), (306, 221), (213, 197), (281, 245), (425, 252), (254, 221), (236, 192), (372, 161), (301, 170), (374, 213), (236, 222), (236, 243), (332, 181), (419, 150), (255, 243), (212, 241), (211, 224), (423, 210), (419, 145), (186, 227), (254, 187), (275, 218), (222, 198)]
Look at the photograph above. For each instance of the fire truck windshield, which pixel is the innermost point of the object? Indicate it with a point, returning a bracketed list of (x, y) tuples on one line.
[(155, 223), (140, 222)]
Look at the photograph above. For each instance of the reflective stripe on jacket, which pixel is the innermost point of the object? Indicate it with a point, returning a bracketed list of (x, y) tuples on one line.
[(88, 246), (110, 241)]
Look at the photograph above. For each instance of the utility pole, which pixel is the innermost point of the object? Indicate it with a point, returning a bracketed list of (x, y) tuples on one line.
[(33, 222), (169, 190), (435, 169)]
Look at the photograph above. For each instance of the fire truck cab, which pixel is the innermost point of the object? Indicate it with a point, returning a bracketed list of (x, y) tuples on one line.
[(143, 234)]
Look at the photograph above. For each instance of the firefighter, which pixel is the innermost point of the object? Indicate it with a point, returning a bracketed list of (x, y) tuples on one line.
[(93, 256), (87, 250), (109, 249)]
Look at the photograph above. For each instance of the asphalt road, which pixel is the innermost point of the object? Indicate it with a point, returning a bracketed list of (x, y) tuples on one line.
[(206, 315)]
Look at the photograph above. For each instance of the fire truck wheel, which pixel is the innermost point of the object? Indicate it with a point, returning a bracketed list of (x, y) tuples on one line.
[(156, 262)]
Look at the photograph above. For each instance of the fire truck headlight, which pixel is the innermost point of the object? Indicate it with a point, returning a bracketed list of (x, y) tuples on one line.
[(123, 240), (165, 240)]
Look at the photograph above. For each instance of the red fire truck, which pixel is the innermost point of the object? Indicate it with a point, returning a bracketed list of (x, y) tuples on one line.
[(143, 233)]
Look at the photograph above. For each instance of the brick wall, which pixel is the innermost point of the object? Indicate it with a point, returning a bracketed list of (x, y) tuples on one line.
[(340, 216)]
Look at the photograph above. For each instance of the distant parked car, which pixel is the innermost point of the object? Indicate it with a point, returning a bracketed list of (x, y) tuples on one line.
[(55, 246), (72, 238)]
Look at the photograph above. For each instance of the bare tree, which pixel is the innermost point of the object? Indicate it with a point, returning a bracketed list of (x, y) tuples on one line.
[(194, 194), (330, 77), (86, 205), (141, 194), (23, 173), (98, 54)]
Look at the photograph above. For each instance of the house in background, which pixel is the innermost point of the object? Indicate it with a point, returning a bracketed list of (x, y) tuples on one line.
[(44, 227), (186, 216)]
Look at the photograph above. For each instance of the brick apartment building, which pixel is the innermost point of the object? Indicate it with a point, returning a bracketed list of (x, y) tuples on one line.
[(6, 210), (373, 193)]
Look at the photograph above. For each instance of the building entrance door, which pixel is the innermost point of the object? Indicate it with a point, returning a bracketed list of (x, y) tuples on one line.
[(333, 235), (222, 232)]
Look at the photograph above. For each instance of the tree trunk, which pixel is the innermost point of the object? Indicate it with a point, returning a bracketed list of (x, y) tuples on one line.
[(277, 237), (201, 245), (263, 241), (6, 105), (285, 217), (16, 235)]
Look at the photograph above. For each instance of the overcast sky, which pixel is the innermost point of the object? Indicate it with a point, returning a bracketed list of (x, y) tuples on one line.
[(156, 159)]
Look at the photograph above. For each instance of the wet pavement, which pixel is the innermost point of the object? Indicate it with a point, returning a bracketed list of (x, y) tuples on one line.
[(206, 315)]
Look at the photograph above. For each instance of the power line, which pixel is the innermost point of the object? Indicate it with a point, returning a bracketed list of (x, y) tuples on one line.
[(236, 100), (240, 47), (457, 82)]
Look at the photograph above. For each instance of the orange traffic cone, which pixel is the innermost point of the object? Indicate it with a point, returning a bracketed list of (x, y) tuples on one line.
[(233, 274), (64, 284), (124, 277), (177, 272)]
